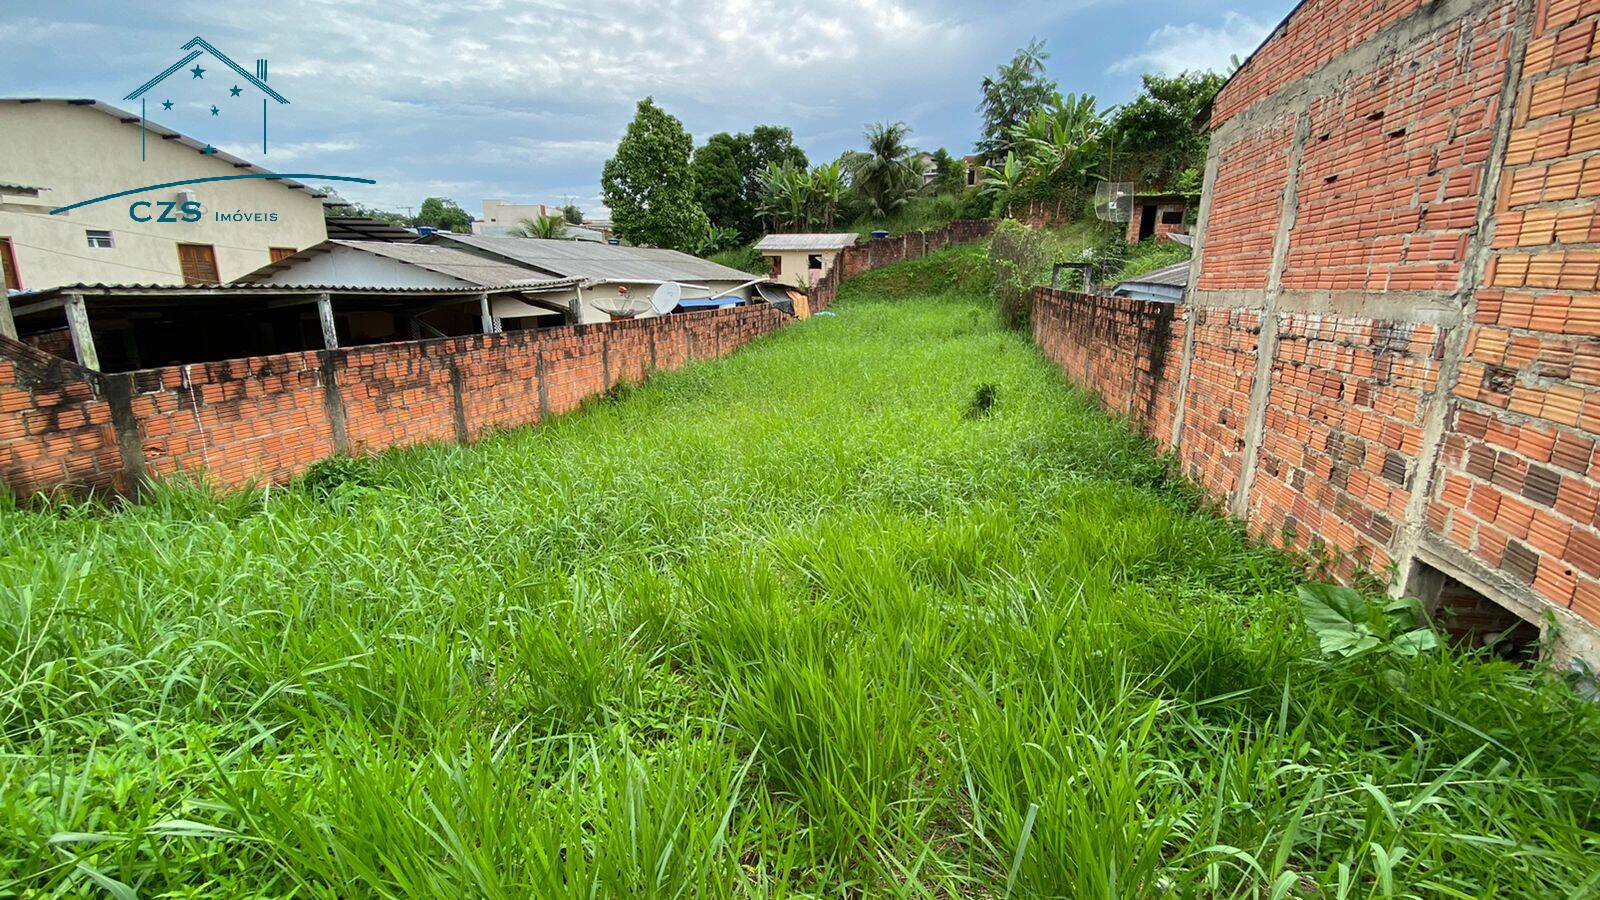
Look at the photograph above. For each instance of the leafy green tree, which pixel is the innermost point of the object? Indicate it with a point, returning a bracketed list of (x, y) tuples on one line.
[(550, 228), (571, 214), (721, 181), (729, 172), (444, 214), (886, 176), (366, 212), (648, 185), (1157, 139), (949, 173), (1062, 143), (1016, 90)]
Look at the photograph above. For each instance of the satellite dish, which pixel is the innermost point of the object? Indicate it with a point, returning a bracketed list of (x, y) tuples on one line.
[(667, 297), (622, 307)]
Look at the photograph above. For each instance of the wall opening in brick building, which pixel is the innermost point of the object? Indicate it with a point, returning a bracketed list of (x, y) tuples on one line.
[(1472, 620)]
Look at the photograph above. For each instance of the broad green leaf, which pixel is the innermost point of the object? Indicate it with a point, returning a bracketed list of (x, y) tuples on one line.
[(1332, 606), (1413, 642)]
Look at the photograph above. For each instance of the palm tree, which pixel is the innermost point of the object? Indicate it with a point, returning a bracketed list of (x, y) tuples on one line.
[(784, 196), (1005, 180), (828, 188), (550, 228), (886, 177)]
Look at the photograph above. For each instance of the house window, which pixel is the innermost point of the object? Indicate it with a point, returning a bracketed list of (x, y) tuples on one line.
[(1172, 217), (814, 262), (777, 265), (8, 266), (100, 240), (198, 263), (281, 252)]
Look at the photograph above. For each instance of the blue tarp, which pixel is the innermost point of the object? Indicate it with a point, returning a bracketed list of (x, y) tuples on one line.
[(702, 303)]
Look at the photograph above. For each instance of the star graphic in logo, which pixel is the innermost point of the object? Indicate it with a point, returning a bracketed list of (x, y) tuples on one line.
[(236, 90), (209, 150), (215, 111), (166, 104), (198, 72)]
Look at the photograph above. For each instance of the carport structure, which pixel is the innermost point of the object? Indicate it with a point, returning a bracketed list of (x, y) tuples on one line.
[(115, 327)]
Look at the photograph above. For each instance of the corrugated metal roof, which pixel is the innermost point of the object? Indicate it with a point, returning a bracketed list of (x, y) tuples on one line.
[(806, 242), (473, 268), (597, 262), (1175, 275), (132, 290), (21, 188), (361, 228)]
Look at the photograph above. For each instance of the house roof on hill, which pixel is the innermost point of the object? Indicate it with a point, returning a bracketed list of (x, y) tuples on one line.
[(807, 241), (594, 261)]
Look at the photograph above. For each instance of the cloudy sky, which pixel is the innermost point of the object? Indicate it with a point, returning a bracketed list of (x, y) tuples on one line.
[(525, 99)]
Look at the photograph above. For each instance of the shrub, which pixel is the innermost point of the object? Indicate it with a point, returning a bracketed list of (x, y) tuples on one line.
[(745, 259), (1016, 253)]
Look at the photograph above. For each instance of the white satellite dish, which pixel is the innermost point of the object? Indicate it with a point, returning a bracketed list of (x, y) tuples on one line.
[(622, 307), (667, 297)]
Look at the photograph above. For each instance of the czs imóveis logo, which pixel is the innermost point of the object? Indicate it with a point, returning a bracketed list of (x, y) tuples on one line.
[(166, 211)]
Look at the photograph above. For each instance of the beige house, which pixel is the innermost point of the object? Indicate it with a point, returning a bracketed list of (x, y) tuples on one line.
[(55, 153), (800, 260), (500, 216)]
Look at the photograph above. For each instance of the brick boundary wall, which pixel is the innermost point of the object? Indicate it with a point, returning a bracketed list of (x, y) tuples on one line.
[(266, 419), (1389, 355), (886, 251)]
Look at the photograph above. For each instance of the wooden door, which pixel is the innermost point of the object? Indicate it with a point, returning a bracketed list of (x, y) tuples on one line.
[(198, 263), (8, 266), (281, 252)]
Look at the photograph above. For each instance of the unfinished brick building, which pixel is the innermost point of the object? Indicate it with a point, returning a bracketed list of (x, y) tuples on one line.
[(1390, 353)]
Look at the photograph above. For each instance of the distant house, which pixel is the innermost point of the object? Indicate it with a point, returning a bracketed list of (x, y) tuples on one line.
[(612, 280), (974, 170), (1157, 216), (500, 217), (803, 259), (57, 153)]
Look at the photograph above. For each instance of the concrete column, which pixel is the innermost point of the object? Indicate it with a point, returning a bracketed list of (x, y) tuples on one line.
[(330, 334), (1413, 579), (491, 322), (82, 336), (1267, 338), (8, 325)]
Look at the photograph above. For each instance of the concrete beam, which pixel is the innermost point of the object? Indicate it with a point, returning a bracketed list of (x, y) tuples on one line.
[(82, 335), (1441, 308), (491, 322)]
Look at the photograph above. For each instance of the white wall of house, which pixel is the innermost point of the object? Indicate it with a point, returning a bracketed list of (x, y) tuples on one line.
[(795, 265), (348, 267), (80, 152), (500, 216)]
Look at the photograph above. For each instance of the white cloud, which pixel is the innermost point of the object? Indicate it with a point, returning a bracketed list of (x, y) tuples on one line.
[(1193, 47)]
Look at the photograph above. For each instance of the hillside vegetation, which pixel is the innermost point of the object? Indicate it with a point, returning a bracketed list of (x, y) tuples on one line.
[(876, 607)]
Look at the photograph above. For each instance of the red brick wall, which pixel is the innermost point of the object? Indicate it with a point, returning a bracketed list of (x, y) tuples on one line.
[(1519, 485), (1245, 206), (1394, 161), (884, 251), (268, 418), (55, 423), (1343, 428), (1128, 352), (1315, 34), (1217, 397)]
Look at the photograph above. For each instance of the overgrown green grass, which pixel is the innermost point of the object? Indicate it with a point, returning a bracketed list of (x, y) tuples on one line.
[(876, 607)]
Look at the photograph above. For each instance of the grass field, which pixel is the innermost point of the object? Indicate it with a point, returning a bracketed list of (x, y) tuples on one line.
[(876, 607)]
